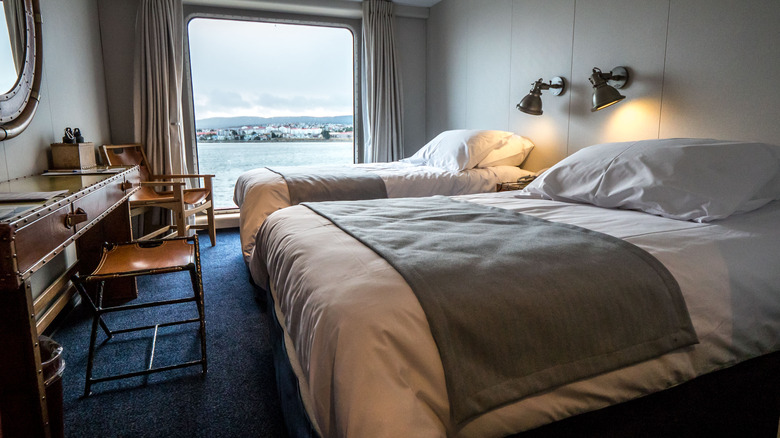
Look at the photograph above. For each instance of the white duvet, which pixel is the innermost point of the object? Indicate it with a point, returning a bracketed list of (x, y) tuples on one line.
[(260, 192), (369, 367)]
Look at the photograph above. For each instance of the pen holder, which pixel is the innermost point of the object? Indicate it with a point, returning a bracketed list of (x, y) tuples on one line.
[(73, 156)]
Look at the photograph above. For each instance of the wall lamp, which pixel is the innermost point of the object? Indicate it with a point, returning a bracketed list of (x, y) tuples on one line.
[(605, 87), (532, 102)]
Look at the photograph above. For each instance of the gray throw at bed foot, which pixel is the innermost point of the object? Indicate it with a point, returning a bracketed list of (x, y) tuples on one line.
[(517, 304), (324, 183)]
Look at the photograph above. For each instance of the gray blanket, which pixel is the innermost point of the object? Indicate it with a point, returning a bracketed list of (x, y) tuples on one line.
[(516, 304), (330, 184)]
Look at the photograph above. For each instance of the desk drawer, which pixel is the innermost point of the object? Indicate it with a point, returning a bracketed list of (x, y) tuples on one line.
[(36, 239), (97, 202)]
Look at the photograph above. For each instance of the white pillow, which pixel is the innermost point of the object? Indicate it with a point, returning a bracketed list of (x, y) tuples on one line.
[(688, 179), (459, 149), (511, 153)]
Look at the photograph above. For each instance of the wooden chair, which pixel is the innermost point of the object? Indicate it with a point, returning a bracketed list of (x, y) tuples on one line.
[(182, 202)]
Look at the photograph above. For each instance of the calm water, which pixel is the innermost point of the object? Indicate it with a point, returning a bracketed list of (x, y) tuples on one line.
[(229, 160)]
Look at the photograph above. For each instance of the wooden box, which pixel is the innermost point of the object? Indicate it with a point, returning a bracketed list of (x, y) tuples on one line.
[(73, 156)]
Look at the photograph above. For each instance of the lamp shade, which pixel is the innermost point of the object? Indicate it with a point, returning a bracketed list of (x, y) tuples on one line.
[(604, 96), (531, 103)]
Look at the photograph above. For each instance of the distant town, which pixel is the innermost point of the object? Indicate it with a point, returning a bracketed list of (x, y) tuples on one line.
[(278, 132)]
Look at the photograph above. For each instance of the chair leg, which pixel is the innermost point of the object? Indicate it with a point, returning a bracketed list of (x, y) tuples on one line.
[(197, 287), (181, 224), (198, 291), (211, 225), (92, 307), (97, 319), (91, 356)]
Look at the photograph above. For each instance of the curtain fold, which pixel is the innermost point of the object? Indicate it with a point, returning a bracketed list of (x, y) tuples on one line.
[(159, 60), (382, 105), (14, 17)]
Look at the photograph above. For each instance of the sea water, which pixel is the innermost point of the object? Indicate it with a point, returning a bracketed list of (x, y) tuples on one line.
[(229, 160)]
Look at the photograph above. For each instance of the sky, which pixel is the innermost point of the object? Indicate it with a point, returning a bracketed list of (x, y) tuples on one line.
[(245, 68)]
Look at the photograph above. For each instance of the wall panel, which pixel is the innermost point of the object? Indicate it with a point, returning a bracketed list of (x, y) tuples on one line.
[(542, 48), (723, 59), (410, 40), (610, 33), (488, 47), (447, 57)]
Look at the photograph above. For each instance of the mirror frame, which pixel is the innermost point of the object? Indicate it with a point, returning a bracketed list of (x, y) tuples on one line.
[(17, 106)]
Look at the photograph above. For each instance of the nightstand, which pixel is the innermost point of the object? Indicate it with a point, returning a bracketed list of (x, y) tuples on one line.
[(515, 185)]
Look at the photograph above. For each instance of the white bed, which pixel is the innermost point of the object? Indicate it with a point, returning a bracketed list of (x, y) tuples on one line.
[(368, 365), (456, 162)]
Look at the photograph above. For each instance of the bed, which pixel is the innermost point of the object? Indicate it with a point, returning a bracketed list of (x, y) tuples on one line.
[(455, 162), (362, 357)]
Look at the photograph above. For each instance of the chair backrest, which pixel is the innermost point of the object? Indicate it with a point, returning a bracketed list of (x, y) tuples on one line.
[(127, 155)]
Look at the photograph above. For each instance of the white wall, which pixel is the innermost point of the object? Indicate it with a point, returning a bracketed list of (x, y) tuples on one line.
[(699, 68), (72, 88)]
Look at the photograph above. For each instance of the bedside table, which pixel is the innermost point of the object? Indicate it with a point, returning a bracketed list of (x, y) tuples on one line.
[(515, 185)]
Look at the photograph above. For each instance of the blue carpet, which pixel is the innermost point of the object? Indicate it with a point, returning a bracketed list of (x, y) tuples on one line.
[(236, 398)]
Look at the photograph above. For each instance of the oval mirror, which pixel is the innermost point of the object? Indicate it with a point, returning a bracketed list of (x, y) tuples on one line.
[(20, 65)]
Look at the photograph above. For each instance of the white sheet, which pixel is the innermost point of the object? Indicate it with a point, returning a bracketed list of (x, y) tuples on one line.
[(369, 366), (260, 192)]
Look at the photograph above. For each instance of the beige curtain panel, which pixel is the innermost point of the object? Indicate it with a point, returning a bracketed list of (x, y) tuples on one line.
[(382, 105), (159, 59)]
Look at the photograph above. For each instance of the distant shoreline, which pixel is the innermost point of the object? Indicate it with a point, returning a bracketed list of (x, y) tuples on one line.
[(281, 140)]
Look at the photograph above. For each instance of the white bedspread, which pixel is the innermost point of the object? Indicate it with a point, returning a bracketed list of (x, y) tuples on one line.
[(369, 366), (260, 192)]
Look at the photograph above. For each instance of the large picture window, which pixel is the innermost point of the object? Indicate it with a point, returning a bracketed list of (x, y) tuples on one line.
[(269, 94)]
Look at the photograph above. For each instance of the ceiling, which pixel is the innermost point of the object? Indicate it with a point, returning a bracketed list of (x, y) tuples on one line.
[(418, 3), (340, 8)]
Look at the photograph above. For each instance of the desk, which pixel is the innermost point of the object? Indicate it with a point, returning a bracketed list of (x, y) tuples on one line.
[(93, 210)]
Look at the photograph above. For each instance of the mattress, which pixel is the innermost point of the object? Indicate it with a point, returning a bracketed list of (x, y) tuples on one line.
[(368, 365), (260, 192)]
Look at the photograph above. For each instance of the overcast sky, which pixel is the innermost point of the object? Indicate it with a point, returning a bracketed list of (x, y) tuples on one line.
[(242, 68)]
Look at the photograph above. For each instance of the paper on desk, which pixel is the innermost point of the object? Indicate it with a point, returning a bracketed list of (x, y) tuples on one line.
[(29, 196)]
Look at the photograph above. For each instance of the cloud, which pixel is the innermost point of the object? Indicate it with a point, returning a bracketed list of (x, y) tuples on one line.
[(225, 103), (262, 69)]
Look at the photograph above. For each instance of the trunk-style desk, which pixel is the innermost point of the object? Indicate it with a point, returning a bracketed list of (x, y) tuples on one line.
[(91, 209)]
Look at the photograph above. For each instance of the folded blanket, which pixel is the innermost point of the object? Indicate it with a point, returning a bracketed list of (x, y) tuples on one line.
[(336, 184), (517, 304)]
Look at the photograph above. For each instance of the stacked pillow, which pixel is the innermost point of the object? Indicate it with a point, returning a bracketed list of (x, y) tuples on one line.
[(681, 178), (464, 149)]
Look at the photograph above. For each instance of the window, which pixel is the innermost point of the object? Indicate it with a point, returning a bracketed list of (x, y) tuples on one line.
[(269, 94)]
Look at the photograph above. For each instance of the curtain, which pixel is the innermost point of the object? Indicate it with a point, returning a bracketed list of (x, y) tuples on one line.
[(14, 17), (159, 60), (382, 106)]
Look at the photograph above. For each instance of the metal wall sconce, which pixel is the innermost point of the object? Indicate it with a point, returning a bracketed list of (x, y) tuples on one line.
[(532, 102), (605, 87)]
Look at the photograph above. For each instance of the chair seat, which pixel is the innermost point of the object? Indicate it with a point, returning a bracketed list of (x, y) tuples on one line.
[(135, 258), (147, 194)]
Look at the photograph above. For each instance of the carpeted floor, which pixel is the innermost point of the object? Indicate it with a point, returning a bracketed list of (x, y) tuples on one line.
[(236, 398)]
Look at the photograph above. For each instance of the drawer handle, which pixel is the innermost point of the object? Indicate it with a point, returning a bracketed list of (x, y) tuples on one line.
[(126, 185), (71, 219)]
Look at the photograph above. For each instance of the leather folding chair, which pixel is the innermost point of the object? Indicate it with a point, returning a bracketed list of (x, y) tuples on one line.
[(133, 259), (182, 202)]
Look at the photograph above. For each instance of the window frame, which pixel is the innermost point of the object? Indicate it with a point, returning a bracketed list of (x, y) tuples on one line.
[(192, 12)]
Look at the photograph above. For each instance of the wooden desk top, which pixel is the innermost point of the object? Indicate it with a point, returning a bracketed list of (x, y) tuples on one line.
[(32, 232)]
